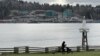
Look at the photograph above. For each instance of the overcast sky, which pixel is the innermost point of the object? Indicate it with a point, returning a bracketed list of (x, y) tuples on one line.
[(73, 2)]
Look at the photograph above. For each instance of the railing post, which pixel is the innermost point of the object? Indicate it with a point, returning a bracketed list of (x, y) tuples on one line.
[(78, 48), (26, 49), (87, 48), (16, 50), (46, 50), (59, 49)]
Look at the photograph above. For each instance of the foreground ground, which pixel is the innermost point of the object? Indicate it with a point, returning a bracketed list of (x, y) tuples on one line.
[(58, 54)]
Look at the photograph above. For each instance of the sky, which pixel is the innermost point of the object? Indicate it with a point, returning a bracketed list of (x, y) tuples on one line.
[(72, 2)]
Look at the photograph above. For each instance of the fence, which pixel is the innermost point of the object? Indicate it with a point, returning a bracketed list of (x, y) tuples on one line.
[(26, 49)]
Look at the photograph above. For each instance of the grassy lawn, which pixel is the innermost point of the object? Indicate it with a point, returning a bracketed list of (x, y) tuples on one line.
[(59, 54)]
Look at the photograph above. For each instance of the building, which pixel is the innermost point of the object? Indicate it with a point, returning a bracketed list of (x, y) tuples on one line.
[(67, 13), (44, 13), (38, 13), (51, 13), (23, 12), (14, 13), (18, 13)]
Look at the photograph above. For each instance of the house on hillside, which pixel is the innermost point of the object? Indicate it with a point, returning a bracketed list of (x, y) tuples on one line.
[(68, 13), (51, 13), (38, 13), (18, 13)]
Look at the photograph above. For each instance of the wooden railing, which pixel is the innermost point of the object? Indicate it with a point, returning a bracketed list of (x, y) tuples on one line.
[(26, 49)]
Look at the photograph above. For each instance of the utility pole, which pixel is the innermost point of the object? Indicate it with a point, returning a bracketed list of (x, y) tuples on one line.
[(84, 31)]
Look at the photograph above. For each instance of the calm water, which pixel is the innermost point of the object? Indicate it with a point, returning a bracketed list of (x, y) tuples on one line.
[(46, 34)]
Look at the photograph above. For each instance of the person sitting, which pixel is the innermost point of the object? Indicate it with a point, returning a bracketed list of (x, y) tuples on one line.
[(63, 47)]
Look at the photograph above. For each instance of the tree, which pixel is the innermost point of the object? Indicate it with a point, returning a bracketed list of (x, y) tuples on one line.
[(4, 12)]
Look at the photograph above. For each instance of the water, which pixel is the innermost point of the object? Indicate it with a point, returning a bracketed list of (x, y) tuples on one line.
[(48, 34)]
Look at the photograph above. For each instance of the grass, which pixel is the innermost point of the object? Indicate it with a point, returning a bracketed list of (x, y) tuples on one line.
[(58, 54)]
